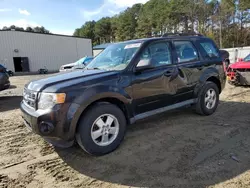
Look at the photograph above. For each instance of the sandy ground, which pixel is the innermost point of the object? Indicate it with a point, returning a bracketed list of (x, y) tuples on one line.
[(174, 149)]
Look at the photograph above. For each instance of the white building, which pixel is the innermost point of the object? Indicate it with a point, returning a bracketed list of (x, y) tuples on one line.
[(99, 48), (238, 52), (28, 52)]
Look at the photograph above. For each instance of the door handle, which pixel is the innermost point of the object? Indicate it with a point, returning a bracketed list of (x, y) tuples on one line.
[(169, 72), (200, 68)]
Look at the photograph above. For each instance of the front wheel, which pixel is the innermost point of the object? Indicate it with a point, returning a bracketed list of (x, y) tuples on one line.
[(101, 129), (208, 99)]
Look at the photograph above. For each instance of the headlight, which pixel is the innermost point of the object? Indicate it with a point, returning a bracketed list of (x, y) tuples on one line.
[(49, 100)]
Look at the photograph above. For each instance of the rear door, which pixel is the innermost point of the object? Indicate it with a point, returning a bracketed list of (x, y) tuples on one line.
[(190, 66), (211, 57)]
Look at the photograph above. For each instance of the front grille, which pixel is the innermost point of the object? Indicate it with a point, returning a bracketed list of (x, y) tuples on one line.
[(29, 98)]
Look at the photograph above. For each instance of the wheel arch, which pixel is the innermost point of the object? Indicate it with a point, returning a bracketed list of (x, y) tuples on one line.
[(211, 75), (216, 81), (115, 99), (111, 100)]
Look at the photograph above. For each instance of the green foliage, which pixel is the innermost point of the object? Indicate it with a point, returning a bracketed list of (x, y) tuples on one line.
[(28, 29), (157, 17), (127, 23), (102, 30), (87, 30), (40, 30)]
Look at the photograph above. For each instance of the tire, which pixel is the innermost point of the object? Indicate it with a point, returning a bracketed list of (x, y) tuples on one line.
[(88, 125), (232, 83), (201, 105)]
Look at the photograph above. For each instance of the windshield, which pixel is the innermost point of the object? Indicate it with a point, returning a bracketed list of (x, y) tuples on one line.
[(80, 61), (247, 59), (115, 57), (84, 60)]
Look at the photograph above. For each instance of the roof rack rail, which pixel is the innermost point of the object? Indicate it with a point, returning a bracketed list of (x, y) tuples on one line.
[(182, 34)]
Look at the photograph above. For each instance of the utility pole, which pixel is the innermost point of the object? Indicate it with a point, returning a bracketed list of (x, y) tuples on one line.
[(218, 11), (219, 8), (220, 33)]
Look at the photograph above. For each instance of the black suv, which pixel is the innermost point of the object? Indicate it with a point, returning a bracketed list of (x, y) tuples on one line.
[(127, 82), (4, 78)]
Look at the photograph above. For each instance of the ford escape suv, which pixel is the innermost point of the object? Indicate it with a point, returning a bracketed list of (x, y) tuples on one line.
[(127, 82)]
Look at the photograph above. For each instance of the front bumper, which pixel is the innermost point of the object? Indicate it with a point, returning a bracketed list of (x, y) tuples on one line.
[(4, 82), (52, 125), (5, 86), (239, 78)]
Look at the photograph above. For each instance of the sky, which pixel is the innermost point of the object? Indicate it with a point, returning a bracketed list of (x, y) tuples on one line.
[(59, 16)]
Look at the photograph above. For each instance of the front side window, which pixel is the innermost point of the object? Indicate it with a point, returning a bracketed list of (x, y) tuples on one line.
[(186, 51), (114, 57), (159, 53), (210, 50), (247, 59)]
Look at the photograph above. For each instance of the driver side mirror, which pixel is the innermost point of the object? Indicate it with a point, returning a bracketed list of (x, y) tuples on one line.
[(144, 64)]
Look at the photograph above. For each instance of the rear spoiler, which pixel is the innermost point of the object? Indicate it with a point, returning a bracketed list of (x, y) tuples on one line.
[(224, 54), (225, 57)]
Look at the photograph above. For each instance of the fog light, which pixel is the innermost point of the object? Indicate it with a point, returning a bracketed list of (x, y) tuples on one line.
[(46, 128)]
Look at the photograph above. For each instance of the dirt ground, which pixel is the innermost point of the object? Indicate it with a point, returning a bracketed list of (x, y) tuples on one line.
[(174, 149)]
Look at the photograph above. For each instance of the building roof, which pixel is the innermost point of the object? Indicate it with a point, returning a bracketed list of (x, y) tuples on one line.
[(43, 33), (101, 46)]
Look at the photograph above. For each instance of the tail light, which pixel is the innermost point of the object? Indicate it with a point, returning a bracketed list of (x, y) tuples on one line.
[(231, 74), (224, 66)]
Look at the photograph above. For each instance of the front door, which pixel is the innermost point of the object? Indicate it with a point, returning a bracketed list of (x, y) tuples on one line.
[(153, 88)]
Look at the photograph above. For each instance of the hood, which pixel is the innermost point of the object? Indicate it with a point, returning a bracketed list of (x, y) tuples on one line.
[(240, 65), (60, 80)]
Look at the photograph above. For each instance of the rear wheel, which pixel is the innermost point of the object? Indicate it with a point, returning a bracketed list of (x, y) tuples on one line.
[(101, 129), (208, 99)]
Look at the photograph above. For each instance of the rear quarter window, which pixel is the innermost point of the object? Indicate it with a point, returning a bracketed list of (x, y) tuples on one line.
[(186, 52), (209, 50)]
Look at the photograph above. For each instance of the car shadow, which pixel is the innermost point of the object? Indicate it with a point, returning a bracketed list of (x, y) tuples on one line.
[(174, 149), (9, 103), (12, 87)]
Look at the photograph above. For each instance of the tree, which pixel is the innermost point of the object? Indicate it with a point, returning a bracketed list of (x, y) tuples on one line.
[(227, 22), (103, 30), (12, 27), (41, 30), (114, 25), (127, 23), (77, 32), (87, 30), (29, 29)]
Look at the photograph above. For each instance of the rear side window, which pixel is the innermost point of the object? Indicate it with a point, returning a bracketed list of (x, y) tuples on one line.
[(159, 53), (209, 48), (186, 51)]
